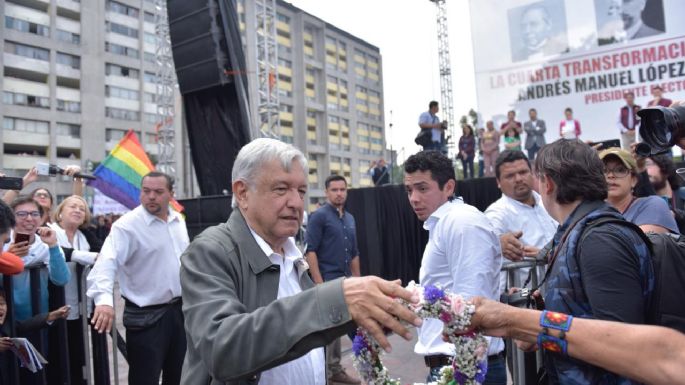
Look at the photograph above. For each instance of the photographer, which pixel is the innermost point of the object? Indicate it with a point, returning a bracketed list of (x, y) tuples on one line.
[(430, 121)]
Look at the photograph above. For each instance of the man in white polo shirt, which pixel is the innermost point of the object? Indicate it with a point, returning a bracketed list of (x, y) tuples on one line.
[(462, 255)]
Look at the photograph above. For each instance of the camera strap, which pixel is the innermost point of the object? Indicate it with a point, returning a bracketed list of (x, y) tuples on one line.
[(553, 250)]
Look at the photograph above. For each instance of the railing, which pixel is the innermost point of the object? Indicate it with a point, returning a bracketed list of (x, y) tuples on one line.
[(523, 372), (96, 370)]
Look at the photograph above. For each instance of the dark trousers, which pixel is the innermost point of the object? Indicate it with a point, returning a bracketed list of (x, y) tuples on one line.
[(158, 348), (467, 165), (532, 151)]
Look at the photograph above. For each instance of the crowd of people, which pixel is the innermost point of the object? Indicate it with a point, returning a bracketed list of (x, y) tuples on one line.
[(482, 145), (256, 308)]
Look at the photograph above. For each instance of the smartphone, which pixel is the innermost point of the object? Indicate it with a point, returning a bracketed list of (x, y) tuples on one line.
[(11, 183), (20, 237)]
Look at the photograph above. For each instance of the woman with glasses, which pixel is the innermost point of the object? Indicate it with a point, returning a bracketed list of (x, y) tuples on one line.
[(650, 213), (80, 246)]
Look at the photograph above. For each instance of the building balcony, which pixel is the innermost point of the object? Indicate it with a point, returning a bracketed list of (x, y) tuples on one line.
[(25, 63), (67, 71), (21, 162), (26, 138), (68, 141), (71, 5)]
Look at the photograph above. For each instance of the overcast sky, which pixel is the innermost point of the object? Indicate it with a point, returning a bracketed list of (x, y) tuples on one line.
[(405, 31)]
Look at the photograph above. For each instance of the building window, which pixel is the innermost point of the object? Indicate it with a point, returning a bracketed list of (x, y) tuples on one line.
[(68, 37), (149, 97), (122, 9), (149, 77), (72, 130), (117, 70), (149, 57), (27, 51), (19, 99), (149, 17), (121, 93), (69, 60), (26, 125), (114, 134), (121, 29), (26, 26), (121, 50), (151, 118), (121, 113), (68, 106)]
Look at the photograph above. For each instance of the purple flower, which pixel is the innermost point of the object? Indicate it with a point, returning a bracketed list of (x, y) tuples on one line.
[(459, 377), (358, 344), (432, 294), (482, 367)]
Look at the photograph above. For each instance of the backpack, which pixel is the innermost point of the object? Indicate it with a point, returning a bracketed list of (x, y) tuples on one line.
[(668, 261)]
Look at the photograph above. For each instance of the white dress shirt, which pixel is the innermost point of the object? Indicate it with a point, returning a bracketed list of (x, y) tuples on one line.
[(309, 369), (82, 255), (507, 215), (463, 256), (143, 252)]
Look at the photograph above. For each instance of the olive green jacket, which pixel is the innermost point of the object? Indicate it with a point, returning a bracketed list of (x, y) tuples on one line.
[(235, 326)]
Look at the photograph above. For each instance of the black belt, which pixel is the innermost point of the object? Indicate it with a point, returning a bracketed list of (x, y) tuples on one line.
[(440, 360), (175, 300)]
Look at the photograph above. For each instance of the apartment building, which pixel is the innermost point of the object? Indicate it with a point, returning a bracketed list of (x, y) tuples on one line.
[(76, 75), (330, 94)]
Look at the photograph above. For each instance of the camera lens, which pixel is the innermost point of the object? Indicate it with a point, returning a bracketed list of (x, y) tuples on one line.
[(662, 127), (643, 149)]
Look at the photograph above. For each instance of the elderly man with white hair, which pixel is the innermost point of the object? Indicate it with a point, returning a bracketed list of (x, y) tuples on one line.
[(252, 313)]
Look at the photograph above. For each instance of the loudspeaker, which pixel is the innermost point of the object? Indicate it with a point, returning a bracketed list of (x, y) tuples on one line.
[(198, 43)]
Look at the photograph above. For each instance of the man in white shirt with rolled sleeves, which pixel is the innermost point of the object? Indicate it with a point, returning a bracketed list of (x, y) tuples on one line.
[(462, 254), (143, 250), (518, 217)]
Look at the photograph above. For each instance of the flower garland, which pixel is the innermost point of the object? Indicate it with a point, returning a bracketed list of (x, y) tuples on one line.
[(469, 362)]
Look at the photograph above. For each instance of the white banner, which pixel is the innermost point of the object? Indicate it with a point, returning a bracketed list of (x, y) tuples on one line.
[(102, 204), (582, 54)]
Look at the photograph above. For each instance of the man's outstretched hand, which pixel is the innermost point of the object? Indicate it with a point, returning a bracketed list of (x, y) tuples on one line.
[(371, 305)]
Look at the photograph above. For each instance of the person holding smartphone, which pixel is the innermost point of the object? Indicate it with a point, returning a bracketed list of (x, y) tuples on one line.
[(35, 246)]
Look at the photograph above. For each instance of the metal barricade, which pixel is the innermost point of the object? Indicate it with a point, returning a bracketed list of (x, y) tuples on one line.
[(520, 375), (13, 370)]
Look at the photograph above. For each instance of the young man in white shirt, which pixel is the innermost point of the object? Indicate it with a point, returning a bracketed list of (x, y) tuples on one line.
[(462, 255), (143, 251)]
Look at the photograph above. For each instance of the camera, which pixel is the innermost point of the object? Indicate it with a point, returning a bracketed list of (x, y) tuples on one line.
[(521, 298), (48, 169), (660, 129), (54, 170)]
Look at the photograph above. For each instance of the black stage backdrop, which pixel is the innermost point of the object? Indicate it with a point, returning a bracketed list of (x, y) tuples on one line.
[(391, 239)]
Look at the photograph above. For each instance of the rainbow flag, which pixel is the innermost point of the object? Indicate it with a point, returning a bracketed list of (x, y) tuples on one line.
[(120, 174)]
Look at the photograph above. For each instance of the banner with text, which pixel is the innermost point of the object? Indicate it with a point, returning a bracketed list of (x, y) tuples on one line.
[(584, 54)]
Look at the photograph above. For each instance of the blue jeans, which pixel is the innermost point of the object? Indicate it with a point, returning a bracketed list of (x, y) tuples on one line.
[(532, 151), (438, 146), (496, 375)]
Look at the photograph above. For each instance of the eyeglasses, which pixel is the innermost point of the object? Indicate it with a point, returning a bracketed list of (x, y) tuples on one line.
[(617, 172), (25, 214), (41, 195)]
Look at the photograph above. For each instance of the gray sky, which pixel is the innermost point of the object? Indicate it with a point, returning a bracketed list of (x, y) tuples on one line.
[(405, 31)]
